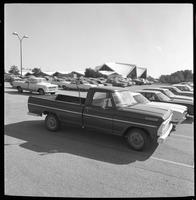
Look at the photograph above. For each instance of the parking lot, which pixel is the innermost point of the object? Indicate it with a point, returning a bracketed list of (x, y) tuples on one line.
[(79, 163)]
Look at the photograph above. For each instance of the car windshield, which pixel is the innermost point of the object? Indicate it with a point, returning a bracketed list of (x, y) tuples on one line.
[(169, 93), (124, 98), (163, 97), (141, 99)]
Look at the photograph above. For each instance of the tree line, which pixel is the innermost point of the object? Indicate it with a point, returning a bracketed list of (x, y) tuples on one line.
[(177, 77)]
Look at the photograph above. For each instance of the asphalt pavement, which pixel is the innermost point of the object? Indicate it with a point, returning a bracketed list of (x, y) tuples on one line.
[(79, 163)]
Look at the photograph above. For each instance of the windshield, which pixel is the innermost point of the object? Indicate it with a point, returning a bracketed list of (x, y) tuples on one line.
[(124, 98), (169, 93), (163, 97), (141, 99)]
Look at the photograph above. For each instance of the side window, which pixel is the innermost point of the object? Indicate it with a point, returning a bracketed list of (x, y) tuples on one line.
[(172, 90), (101, 99), (148, 95)]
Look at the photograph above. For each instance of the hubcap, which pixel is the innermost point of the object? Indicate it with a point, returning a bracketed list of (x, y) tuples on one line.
[(136, 140), (51, 123)]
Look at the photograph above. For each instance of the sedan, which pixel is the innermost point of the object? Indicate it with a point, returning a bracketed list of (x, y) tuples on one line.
[(176, 91), (179, 111), (160, 97)]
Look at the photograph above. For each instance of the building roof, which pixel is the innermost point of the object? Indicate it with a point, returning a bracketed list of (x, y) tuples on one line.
[(120, 68), (141, 72)]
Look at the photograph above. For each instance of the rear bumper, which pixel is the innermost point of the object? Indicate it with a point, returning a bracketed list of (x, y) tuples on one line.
[(163, 137)]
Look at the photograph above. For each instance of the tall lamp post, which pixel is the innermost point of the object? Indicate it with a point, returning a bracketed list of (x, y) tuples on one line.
[(20, 39)]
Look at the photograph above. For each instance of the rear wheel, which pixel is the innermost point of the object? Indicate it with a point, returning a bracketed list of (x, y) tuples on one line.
[(52, 123), (137, 139), (19, 89), (64, 87), (41, 91)]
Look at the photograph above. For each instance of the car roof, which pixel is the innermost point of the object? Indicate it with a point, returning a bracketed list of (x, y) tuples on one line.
[(154, 88), (146, 91), (110, 88)]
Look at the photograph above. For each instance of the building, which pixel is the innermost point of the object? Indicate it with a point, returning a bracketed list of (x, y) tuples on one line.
[(141, 72), (125, 70)]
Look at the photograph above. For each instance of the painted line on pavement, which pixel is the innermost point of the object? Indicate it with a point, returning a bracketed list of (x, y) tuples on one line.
[(172, 162), (184, 136)]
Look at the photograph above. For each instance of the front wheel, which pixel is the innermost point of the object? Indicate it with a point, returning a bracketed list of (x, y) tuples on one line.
[(52, 123), (137, 139)]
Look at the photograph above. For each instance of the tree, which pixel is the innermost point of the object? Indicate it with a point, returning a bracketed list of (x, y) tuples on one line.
[(92, 73), (36, 70), (177, 77), (14, 70)]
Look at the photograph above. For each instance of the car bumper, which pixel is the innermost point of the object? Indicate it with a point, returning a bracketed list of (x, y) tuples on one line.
[(180, 119), (163, 137)]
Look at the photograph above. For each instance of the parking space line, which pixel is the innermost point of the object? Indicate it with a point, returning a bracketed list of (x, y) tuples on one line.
[(173, 162), (184, 136)]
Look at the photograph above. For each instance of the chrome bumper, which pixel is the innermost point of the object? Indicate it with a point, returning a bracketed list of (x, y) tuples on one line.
[(163, 137)]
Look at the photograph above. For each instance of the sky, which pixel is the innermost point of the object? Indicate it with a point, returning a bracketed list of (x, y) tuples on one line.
[(68, 37)]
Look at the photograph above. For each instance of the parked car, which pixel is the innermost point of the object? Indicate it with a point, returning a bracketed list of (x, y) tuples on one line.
[(184, 87), (61, 83), (108, 109), (170, 94), (35, 84), (179, 111), (176, 91), (82, 85), (187, 83), (138, 82), (160, 97)]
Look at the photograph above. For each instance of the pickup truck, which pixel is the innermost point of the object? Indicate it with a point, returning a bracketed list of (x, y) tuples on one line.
[(108, 109), (35, 84)]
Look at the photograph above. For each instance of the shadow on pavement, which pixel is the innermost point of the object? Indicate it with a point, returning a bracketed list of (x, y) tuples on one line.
[(23, 93), (76, 141)]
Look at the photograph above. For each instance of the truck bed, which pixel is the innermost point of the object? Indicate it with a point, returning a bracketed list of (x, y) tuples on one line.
[(67, 108)]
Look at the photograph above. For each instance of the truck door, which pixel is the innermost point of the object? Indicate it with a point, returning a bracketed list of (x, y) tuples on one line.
[(99, 113)]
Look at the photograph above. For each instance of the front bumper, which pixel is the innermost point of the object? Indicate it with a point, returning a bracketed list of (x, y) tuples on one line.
[(163, 137)]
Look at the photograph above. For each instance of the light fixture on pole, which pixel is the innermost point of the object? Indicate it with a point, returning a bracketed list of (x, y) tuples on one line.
[(20, 39)]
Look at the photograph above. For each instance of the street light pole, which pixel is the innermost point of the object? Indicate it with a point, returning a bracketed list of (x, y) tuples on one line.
[(20, 39)]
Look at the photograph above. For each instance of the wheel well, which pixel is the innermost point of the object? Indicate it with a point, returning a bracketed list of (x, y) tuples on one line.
[(47, 113), (133, 127), (40, 89)]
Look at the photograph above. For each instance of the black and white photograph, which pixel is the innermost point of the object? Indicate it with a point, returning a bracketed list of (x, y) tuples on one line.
[(98, 100)]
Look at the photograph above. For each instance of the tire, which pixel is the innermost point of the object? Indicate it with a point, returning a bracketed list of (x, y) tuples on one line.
[(19, 89), (52, 93), (41, 91), (137, 139), (52, 123)]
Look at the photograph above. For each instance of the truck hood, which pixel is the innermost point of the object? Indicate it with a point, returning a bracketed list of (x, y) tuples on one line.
[(149, 110), (173, 107)]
